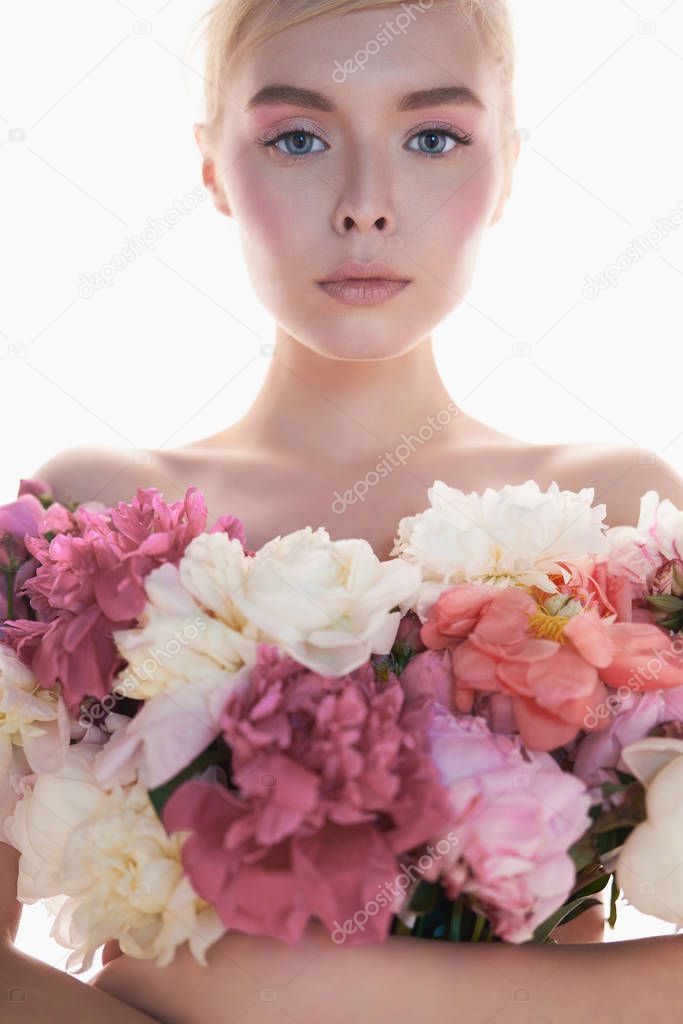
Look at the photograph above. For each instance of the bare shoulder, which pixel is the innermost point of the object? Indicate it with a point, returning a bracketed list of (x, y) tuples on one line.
[(94, 473), (620, 475)]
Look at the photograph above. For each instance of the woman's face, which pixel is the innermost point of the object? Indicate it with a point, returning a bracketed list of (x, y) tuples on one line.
[(375, 175)]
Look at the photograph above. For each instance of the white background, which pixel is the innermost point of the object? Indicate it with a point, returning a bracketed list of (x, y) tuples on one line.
[(97, 102)]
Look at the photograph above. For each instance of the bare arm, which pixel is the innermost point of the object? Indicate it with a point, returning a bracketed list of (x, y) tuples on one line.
[(255, 980), (31, 991)]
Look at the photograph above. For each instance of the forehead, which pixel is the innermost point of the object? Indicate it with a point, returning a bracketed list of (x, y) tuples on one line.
[(374, 56)]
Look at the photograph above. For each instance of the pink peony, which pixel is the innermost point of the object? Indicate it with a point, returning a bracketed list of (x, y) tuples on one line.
[(513, 822), (91, 582), (334, 781), (429, 674)]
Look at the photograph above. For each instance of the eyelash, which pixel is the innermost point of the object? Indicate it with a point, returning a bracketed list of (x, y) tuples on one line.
[(463, 139)]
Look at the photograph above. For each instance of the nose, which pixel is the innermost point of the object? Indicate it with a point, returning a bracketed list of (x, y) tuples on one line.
[(366, 204)]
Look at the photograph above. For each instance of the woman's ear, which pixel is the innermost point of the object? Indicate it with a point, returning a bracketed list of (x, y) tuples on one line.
[(210, 176), (511, 157)]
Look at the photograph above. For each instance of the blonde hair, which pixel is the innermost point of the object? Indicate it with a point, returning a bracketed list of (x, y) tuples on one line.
[(235, 27)]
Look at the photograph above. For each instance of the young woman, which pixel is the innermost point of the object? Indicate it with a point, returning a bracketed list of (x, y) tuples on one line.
[(363, 169)]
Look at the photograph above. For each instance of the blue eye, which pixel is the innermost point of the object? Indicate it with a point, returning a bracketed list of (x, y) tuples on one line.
[(434, 148), (299, 138)]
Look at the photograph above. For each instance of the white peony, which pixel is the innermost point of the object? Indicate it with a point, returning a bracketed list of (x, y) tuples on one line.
[(106, 864), (184, 634), (649, 867), (326, 603), (517, 535)]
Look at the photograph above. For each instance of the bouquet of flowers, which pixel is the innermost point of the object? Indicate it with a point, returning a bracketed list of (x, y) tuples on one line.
[(464, 742)]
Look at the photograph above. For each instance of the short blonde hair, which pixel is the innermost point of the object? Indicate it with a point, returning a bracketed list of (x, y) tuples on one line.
[(235, 27)]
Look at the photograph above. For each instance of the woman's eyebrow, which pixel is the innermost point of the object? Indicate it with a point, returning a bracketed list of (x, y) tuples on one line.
[(299, 97)]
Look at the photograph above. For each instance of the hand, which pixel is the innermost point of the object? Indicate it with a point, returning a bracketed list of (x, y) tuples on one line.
[(110, 951)]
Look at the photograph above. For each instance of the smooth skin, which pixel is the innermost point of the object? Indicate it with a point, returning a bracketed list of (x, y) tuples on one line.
[(344, 385)]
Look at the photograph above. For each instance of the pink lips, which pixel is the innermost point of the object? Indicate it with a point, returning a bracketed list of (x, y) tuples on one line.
[(363, 284)]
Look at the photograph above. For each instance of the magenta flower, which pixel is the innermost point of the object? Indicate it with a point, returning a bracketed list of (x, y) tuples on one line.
[(17, 520), (512, 824), (91, 582), (630, 717), (334, 781)]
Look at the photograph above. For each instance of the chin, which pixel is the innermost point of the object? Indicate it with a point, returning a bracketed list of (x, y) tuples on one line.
[(352, 338), (371, 350)]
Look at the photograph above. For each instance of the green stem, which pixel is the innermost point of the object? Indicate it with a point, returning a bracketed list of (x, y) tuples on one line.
[(478, 928), (10, 593)]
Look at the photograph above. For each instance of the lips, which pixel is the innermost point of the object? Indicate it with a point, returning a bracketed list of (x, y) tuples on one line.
[(355, 270), (363, 291)]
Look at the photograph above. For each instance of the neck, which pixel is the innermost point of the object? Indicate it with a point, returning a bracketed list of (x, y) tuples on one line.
[(354, 409)]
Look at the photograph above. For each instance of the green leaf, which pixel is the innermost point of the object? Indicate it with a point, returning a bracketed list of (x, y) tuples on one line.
[(456, 920), (592, 887), (577, 911), (667, 602), (612, 919), (424, 897), (543, 931)]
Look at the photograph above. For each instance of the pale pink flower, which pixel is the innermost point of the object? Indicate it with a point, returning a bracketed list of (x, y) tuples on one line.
[(514, 820)]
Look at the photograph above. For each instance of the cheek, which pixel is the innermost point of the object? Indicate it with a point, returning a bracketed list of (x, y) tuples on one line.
[(469, 210), (261, 210)]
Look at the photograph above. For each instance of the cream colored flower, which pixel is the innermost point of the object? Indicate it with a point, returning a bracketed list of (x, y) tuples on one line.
[(34, 727), (106, 863), (180, 639), (329, 604), (649, 867), (517, 535)]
